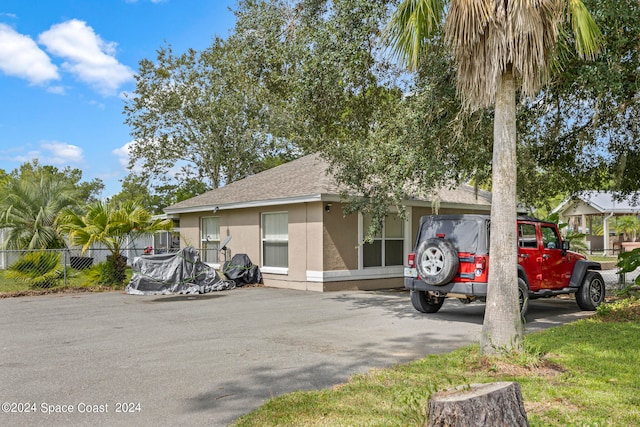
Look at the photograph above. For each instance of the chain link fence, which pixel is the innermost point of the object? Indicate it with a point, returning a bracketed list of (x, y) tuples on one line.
[(47, 268)]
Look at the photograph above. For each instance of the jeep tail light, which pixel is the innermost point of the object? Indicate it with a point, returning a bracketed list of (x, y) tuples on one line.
[(411, 260), (481, 265)]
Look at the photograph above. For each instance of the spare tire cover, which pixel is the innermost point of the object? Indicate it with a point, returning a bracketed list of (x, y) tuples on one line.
[(437, 261)]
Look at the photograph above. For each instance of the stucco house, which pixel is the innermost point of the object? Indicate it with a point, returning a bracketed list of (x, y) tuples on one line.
[(290, 221), (592, 213)]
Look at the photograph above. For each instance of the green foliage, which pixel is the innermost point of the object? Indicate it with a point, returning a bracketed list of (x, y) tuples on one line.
[(314, 76), (202, 109), (112, 272), (577, 240), (583, 130), (622, 310), (629, 262), (137, 188), (39, 269), (86, 191), (629, 225), (30, 199), (112, 226)]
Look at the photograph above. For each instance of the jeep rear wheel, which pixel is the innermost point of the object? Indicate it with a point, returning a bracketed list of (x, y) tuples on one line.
[(437, 261), (425, 303), (591, 292)]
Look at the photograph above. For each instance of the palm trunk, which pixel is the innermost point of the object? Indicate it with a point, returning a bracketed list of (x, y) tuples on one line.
[(502, 330)]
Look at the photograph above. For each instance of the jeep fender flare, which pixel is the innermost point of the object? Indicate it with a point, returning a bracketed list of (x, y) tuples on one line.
[(580, 269)]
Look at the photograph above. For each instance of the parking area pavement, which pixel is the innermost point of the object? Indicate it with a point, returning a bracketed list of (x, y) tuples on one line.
[(117, 359)]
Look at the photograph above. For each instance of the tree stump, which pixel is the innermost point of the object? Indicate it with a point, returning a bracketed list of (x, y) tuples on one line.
[(493, 404)]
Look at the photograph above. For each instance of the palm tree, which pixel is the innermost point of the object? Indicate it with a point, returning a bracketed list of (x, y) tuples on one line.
[(28, 209), (497, 44), (110, 225), (629, 225)]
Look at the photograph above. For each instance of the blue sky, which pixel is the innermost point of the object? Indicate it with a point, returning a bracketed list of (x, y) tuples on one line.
[(65, 65)]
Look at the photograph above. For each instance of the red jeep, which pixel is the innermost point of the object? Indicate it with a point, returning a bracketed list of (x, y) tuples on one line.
[(451, 259)]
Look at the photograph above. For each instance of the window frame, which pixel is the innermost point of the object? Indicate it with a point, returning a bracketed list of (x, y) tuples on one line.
[(205, 242), (406, 241), (266, 268)]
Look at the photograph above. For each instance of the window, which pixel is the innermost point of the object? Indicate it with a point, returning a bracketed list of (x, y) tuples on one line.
[(275, 240), (387, 246), (527, 236), (550, 238), (166, 241), (210, 239)]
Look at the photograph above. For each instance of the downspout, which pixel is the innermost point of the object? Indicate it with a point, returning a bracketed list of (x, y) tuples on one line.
[(605, 224)]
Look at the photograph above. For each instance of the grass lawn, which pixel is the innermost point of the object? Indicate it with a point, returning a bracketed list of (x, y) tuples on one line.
[(602, 258), (582, 374)]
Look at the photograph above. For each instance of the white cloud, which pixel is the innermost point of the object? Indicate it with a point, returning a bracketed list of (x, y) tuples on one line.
[(61, 153), (87, 56), (58, 90), (123, 155), (53, 153), (21, 57)]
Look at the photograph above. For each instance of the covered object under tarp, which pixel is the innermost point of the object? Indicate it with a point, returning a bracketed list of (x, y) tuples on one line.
[(241, 270), (174, 273)]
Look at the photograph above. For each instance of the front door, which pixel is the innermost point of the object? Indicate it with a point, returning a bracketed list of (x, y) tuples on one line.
[(529, 254), (553, 265)]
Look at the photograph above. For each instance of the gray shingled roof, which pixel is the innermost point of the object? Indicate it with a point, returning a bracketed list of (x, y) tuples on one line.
[(302, 180)]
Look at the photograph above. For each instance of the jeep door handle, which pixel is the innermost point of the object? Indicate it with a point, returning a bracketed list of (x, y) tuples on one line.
[(546, 256), (524, 255)]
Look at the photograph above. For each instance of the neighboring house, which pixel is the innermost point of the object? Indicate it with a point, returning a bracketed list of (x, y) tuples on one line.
[(592, 213), (290, 221)]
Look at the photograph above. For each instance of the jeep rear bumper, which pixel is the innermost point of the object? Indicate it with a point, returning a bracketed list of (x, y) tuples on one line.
[(477, 289)]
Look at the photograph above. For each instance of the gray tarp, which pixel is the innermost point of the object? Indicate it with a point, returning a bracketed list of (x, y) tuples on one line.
[(174, 273), (241, 270)]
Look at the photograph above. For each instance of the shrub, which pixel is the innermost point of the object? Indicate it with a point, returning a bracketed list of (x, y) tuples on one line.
[(113, 271), (39, 269)]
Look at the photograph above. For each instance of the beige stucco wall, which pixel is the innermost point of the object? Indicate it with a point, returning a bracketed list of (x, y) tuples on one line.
[(243, 225), (340, 239), (190, 230)]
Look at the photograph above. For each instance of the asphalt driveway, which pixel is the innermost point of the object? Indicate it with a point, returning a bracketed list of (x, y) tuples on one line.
[(117, 359)]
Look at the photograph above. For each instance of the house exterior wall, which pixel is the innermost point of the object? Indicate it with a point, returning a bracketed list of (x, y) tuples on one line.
[(340, 239), (190, 230), (323, 245), (305, 237)]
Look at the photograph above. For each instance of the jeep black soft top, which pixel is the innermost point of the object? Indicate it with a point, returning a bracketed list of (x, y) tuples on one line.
[(468, 233)]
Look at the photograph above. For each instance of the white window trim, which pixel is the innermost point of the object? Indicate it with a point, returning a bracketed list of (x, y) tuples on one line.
[(349, 275), (406, 246), (274, 270)]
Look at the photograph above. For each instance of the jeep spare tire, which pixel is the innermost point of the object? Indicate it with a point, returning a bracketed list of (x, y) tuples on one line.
[(437, 261)]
